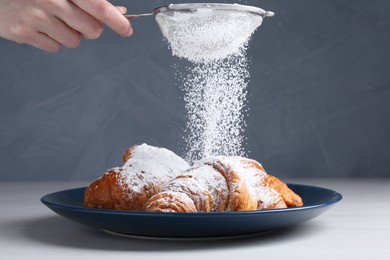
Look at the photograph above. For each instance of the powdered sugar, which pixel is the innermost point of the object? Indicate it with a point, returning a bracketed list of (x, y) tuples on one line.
[(252, 179), (215, 96), (150, 166), (207, 34), (206, 187), (214, 85)]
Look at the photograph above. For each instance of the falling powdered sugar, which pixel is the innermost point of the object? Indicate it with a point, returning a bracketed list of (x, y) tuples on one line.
[(214, 84)]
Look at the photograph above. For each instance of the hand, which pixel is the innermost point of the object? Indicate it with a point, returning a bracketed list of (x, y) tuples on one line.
[(48, 24)]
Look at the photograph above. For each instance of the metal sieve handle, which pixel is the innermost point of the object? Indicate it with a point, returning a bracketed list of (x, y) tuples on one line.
[(194, 6)]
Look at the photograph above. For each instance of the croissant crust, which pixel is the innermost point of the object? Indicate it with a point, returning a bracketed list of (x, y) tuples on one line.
[(157, 180)]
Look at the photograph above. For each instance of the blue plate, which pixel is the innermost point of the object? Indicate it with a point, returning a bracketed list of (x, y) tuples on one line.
[(69, 204)]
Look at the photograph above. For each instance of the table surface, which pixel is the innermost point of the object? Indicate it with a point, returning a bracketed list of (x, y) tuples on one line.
[(358, 227)]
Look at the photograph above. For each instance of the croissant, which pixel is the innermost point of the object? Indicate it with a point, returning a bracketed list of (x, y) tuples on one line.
[(145, 172), (223, 184)]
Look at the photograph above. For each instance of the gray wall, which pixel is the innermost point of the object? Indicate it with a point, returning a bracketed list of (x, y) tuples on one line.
[(319, 96)]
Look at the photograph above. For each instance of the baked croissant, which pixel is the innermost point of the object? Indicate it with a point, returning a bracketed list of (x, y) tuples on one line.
[(145, 172), (223, 184)]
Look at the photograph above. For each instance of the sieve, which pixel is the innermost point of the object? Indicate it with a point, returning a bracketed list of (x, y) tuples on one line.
[(193, 7)]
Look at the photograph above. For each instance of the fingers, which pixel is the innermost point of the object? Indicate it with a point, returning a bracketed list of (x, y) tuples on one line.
[(77, 19), (106, 13), (48, 24), (121, 9), (44, 31), (54, 28), (43, 42), (61, 33)]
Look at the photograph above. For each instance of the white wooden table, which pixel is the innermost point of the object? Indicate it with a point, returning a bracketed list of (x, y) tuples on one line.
[(358, 227)]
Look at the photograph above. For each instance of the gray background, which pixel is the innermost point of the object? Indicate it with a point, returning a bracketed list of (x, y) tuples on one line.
[(319, 96)]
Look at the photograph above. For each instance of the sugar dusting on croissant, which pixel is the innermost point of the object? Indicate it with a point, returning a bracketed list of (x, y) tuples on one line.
[(219, 184), (146, 171), (157, 180), (200, 189)]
